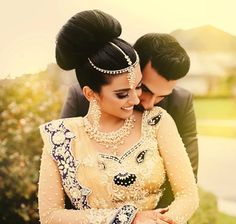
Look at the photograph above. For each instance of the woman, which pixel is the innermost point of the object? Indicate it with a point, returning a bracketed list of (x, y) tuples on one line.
[(112, 162)]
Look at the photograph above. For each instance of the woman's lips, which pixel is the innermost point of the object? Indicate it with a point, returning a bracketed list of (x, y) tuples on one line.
[(128, 108)]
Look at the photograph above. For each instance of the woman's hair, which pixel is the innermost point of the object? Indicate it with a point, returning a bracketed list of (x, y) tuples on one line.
[(87, 35)]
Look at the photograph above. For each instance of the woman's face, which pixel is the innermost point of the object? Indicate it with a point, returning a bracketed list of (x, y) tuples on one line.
[(117, 98)]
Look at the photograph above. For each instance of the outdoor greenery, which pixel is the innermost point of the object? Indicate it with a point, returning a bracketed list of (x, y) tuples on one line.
[(225, 219), (216, 116), (207, 211), (215, 108), (27, 102)]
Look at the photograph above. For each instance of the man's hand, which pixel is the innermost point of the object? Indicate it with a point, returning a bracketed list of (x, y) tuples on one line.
[(153, 217)]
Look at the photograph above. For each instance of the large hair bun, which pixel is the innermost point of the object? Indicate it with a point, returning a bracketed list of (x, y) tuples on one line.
[(84, 34)]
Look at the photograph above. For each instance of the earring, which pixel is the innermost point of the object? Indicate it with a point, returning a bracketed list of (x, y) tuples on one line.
[(95, 113)]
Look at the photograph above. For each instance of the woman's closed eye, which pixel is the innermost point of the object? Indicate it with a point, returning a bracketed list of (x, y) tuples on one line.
[(123, 95)]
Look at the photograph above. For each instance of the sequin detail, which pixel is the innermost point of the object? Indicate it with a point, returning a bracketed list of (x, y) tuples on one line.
[(126, 154), (124, 179), (61, 138), (125, 215), (140, 157), (154, 120)]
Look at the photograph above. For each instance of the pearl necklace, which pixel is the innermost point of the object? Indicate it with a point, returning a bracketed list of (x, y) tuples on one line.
[(111, 140)]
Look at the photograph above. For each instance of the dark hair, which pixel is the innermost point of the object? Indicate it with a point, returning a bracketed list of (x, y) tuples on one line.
[(167, 57), (87, 35)]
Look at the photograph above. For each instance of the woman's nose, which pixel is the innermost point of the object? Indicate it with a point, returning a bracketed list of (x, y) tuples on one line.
[(134, 99)]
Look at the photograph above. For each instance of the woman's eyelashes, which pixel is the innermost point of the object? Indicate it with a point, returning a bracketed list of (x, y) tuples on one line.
[(123, 95)]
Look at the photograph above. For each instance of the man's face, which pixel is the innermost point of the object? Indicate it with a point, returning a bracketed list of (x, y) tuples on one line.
[(154, 87)]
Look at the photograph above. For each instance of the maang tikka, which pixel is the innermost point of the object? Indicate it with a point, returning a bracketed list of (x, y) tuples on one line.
[(130, 69), (111, 140)]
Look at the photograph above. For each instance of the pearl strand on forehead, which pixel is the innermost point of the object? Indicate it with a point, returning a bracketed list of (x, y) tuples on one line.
[(129, 69)]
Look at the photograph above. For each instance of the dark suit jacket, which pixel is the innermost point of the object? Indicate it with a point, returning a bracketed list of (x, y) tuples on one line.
[(179, 105)]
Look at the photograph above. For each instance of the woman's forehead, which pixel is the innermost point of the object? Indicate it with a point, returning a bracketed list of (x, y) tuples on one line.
[(121, 81)]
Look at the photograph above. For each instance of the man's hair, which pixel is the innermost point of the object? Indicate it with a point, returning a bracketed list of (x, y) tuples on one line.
[(167, 57)]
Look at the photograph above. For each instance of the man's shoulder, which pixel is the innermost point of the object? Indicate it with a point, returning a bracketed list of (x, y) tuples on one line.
[(178, 101), (179, 97), (75, 90), (179, 92)]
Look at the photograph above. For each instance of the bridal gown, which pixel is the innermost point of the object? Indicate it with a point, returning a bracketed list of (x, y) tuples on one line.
[(105, 188)]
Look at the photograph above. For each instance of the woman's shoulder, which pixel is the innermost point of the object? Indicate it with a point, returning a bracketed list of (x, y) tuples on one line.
[(155, 111), (67, 127), (154, 116), (58, 132), (70, 122)]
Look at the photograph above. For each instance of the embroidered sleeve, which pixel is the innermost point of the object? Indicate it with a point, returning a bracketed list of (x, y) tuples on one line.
[(51, 190), (179, 171)]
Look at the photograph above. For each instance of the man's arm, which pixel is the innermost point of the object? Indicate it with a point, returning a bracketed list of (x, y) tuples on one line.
[(186, 125), (180, 106), (75, 104)]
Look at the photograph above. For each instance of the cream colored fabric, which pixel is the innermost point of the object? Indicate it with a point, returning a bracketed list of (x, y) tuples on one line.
[(109, 182)]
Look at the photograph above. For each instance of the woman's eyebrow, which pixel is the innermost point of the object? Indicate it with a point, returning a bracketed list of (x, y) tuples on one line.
[(121, 90)]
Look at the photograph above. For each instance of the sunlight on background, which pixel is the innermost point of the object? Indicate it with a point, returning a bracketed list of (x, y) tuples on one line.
[(27, 46), (28, 28)]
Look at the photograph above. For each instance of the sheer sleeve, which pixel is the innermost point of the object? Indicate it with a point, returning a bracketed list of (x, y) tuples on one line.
[(51, 199), (179, 171)]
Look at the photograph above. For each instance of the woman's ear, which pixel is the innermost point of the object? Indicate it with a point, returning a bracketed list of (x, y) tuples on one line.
[(89, 93)]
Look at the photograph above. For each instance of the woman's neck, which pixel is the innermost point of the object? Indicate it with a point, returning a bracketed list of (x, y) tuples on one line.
[(108, 123)]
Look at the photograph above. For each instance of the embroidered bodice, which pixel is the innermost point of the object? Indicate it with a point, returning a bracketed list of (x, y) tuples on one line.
[(110, 189)]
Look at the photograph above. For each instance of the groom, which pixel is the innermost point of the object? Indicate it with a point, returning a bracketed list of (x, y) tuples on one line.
[(163, 62)]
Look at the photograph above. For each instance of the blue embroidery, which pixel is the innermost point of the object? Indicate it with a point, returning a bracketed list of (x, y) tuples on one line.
[(125, 215), (140, 157), (154, 120), (61, 138)]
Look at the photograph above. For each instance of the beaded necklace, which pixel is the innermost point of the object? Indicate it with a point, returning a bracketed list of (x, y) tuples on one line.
[(111, 140)]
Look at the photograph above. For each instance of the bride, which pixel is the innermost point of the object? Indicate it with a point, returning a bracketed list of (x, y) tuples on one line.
[(112, 162)]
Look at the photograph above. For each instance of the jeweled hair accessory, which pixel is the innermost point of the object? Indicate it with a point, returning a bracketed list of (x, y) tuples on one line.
[(130, 69)]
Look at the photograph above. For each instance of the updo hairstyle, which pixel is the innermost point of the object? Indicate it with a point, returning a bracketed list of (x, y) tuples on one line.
[(87, 35)]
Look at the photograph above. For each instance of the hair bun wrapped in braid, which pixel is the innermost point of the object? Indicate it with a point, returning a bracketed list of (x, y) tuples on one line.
[(84, 34)]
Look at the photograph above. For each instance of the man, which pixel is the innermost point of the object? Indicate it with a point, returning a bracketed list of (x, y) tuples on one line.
[(163, 61)]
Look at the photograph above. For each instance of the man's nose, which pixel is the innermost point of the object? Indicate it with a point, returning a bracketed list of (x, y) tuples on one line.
[(149, 103)]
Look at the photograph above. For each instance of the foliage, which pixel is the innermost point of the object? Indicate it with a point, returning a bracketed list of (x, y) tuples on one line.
[(216, 116), (215, 108), (26, 102), (225, 219), (207, 211)]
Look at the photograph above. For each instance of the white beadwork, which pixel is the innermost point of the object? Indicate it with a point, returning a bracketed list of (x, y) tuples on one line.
[(111, 140), (130, 69)]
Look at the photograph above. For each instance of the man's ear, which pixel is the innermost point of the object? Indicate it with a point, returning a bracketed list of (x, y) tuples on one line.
[(89, 93)]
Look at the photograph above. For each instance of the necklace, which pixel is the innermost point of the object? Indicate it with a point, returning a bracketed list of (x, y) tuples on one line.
[(111, 140)]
